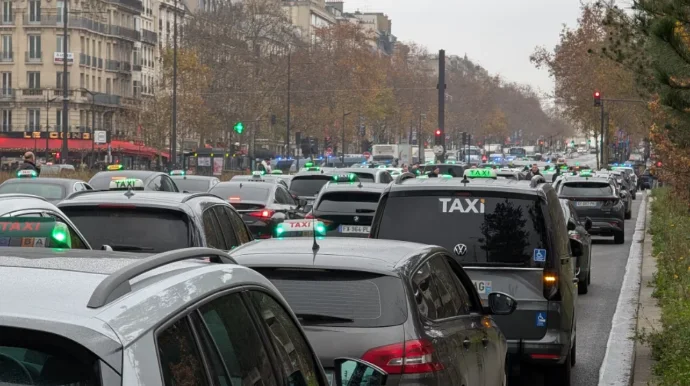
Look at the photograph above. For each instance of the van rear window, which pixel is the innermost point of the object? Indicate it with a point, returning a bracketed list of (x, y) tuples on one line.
[(481, 229), (349, 202), (587, 189)]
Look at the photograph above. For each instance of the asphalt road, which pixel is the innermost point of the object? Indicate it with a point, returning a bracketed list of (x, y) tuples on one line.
[(595, 309)]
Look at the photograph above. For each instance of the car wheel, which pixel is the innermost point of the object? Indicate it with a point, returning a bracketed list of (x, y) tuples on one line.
[(628, 215), (583, 286), (619, 237), (573, 353), (560, 374)]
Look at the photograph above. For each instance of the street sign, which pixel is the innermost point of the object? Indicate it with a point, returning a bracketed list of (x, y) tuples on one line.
[(366, 154), (438, 150), (329, 152), (100, 136)]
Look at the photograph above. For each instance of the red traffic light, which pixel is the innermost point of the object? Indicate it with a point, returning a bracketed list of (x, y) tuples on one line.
[(658, 164), (597, 95), (597, 98), (438, 132), (57, 155)]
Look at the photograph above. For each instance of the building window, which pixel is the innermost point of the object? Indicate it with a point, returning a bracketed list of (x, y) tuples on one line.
[(107, 86), (6, 83), (34, 11), (6, 53), (58, 117), (60, 10), (6, 120), (59, 41), (7, 16), (34, 119), (34, 79), (81, 80), (34, 46), (58, 81)]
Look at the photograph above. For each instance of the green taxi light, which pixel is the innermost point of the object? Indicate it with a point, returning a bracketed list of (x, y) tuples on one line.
[(115, 167), (351, 177), (450, 162), (480, 173), (313, 169), (177, 173), (61, 235), (308, 164), (258, 173), (276, 172), (279, 230), (320, 229), (422, 176), (446, 176), (27, 174)]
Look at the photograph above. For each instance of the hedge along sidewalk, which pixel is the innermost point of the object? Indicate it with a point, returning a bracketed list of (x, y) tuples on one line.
[(670, 342)]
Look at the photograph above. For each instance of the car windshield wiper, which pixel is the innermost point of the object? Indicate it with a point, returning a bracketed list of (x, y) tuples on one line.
[(322, 318), (123, 248)]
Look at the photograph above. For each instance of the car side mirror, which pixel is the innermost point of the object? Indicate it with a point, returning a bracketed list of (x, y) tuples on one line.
[(588, 224), (356, 372), (576, 248), (185, 191), (105, 247), (501, 303), (571, 226)]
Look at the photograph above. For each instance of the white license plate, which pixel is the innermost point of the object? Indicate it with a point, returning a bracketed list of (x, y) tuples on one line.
[(586, 203), (354, 229), (483, 287)]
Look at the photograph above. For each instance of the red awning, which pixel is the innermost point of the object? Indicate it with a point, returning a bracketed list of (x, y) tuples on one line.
[(55, 145)]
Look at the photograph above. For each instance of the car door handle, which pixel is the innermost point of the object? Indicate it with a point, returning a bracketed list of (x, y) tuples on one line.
[(466, 344), (485, 341)]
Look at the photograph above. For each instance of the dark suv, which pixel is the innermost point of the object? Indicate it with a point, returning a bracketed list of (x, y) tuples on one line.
[(510, 236)]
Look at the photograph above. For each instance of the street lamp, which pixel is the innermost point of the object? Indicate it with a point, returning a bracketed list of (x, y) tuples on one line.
[(93, 121), (342, 144), (48, 102)]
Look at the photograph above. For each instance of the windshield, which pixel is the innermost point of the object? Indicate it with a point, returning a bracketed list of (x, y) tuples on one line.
[(365, 177), (517, 151), (367, 299), (133, 229), (308, 185), (349, 202), (47, 191), (190, 185), (255, 192), (494, 230), (586, 189)]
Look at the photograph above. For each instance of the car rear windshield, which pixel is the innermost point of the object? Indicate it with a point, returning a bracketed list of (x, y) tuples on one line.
[(365, 177), (131, 229), (38, 358), (367, 299), (190, 185), (588, 189), (47, 191), (453, 170), (349, 202), (243, 192), (102, 181), (308, 185), (481, 229)]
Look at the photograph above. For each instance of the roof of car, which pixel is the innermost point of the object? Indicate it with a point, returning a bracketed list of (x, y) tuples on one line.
[(321, 171), (585, 179), (139, 174), (137, 197), (354, 186), (10, 202), (44, 180), (359, 170), (385, 257), (483, 184), (193, 177), (249, 183), (48, 290)]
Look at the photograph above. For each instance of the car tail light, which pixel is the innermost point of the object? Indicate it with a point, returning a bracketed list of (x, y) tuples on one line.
[(550, 284), (263, 214), (409, 357)]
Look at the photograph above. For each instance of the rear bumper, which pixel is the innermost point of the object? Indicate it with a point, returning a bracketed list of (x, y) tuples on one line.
[(606, 227), (552, 349)]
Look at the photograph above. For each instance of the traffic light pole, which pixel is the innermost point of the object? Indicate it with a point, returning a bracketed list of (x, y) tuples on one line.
[(604, 134), (442, 102), (603, 138)]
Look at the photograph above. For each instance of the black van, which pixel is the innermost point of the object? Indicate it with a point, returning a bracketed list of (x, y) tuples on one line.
[(509, 236)]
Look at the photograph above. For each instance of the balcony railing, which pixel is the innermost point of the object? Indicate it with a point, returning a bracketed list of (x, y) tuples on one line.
[(106, 99), (124, 32), (112, 65), (84, 23), (136, 67), (59, 93), (133, 4), (33, 57), (44, 20), (6, 56), (149, 36), (32, 92), (33, 127), (7, 93), (125, 67)]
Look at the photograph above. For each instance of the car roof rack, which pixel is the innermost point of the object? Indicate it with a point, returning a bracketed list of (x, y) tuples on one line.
[(197, 195), (404, 176), (117, 284), (536, 180), (22, 195)]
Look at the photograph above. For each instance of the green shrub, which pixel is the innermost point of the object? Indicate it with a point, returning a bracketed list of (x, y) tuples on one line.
[(670, 229)]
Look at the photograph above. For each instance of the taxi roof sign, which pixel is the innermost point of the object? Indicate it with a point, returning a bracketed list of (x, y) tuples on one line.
[(350, 177), (258, 173), (300, 228), (177, 173), (480, 173), (27, 173), (276, 172), (115, 167), (126, 184), (34, 232)]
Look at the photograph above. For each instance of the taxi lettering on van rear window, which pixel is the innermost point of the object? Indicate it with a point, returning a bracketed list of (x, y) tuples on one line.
[(462, 205), (34, 232)]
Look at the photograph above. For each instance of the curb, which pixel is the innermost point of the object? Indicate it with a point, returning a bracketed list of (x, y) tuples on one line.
[(617, 367)]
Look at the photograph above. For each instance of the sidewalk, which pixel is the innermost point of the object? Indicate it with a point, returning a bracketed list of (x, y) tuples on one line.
[(648, 314)]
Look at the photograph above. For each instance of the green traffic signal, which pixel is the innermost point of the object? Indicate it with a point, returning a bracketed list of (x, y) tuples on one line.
[(239, 127)]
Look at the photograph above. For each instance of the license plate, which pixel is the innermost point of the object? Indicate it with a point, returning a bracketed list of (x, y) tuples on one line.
[(329, 376), (586, 203), (483, 287), (354, 229)]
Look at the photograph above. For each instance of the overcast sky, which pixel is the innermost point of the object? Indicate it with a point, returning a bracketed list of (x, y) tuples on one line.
[(499, 35)]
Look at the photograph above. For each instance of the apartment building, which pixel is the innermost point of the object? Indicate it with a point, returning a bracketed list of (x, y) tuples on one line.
[(308, 16)]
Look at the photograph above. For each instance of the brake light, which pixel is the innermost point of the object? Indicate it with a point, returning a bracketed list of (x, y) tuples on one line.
[(263, 214), (550, 284), (409, 357)]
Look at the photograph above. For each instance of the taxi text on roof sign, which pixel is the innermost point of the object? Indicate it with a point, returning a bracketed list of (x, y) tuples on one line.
[(258, 173), (34, 232), (177, 173), (351, 177), (126, 184), (27, 174), (297, 228), (115, 167), (480, 173)]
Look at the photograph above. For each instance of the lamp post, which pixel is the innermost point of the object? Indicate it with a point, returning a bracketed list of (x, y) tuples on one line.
[(93, 122), (342, 144), (65, 89), (48, 101)]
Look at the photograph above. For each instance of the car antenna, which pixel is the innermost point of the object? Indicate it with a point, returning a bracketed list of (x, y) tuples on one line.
[(465, 180), (129, 193), (315, 246)]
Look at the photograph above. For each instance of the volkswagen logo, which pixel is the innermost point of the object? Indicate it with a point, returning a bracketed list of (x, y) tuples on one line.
[(460, 249), (356, 218)]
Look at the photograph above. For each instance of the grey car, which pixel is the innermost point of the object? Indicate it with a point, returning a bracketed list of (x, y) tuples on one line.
[(193, 184), (185, 317), (580, 244), (621, 188), (405, 307), (510, 236), (375, 175), (52, 189), (596, 198)]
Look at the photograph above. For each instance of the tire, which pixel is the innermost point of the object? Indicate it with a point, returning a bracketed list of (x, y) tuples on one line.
[(619, 238), (628, 215), (583, 286), (573, 353), (634, 196), (559, 375)]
